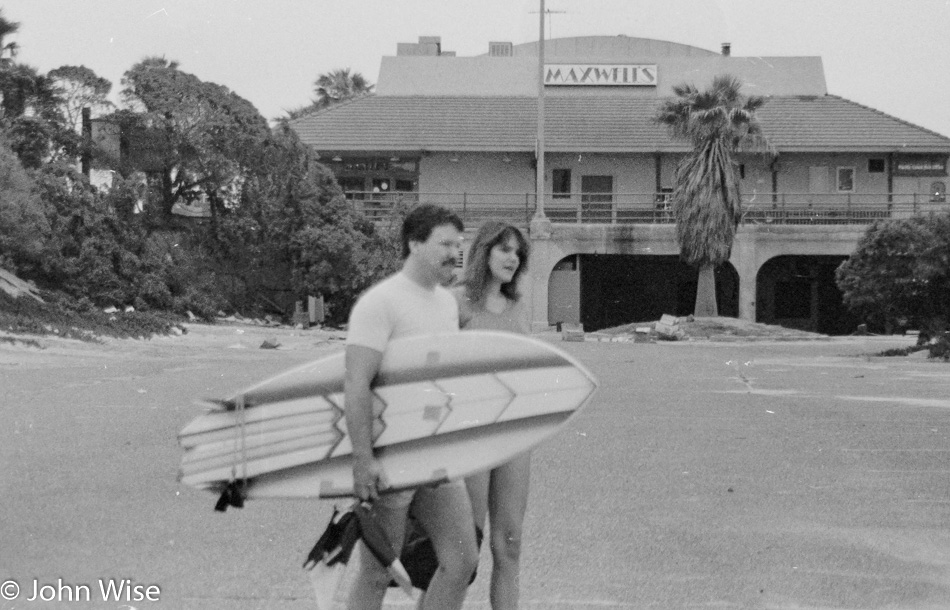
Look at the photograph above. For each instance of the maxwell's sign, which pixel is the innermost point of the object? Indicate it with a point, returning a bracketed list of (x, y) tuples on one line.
[(621, 75)]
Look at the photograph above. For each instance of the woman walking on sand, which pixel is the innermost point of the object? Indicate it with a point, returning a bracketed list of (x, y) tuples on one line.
[(489, 299)]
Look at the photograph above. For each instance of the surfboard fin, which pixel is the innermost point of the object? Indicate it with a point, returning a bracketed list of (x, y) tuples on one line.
[(231, 495), (215, 404)]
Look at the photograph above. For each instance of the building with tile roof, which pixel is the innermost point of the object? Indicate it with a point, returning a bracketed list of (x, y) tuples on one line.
[(462, 132)]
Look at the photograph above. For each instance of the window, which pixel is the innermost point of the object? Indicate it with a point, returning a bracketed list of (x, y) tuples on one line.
[(597, 189), (381, 185), (875, 166), (352, 187), (845, 179), (938, 192), (561, 183), (742, 171), (404, 186)]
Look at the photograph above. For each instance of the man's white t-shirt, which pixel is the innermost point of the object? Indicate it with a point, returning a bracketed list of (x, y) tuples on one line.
[(399, 307)]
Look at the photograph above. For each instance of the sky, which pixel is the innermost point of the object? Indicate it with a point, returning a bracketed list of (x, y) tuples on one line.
[(889, 55)]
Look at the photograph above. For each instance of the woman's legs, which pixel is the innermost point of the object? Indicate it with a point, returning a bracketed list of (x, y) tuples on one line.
[(507, 502), (477, 485), (445, 513)]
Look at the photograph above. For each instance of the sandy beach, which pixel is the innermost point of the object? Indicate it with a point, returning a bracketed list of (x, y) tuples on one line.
[(765, 474)]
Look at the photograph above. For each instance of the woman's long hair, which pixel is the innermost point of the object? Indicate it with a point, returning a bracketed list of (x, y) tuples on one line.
[(477, 272)]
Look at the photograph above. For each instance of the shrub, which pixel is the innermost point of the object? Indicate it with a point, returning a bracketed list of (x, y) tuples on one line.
[(900, 270), (23, 224)]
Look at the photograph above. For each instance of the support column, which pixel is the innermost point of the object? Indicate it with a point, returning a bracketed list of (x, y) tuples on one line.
[(544, 255), (744, 260)]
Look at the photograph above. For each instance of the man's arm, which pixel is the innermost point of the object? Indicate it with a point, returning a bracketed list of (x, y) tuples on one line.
[(362, 365)]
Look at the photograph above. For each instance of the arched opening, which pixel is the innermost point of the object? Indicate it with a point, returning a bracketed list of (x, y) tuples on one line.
[(564, 291), (617, 289), (800, 292)]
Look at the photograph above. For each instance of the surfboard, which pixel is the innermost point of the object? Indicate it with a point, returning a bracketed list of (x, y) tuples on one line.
[(446, 406)]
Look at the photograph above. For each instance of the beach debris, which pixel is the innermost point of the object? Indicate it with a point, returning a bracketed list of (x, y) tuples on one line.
[(572, 332), (668, 328), (16, 287)]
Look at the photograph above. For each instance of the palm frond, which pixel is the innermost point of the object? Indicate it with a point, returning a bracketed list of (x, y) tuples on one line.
[(719, 122)]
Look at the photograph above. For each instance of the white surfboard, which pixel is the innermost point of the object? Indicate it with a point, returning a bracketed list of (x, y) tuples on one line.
[(446, 405)]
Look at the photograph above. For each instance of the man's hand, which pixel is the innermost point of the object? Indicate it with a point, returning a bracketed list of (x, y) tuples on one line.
[(369, 478)]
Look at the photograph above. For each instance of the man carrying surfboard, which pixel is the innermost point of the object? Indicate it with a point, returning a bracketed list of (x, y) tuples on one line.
[(410, 302)]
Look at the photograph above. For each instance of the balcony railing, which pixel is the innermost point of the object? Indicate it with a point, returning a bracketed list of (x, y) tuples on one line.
[(655, 208)]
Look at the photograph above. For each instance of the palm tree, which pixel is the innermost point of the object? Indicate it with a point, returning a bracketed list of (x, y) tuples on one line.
[(9, 50), (340, 85), (707, 206)]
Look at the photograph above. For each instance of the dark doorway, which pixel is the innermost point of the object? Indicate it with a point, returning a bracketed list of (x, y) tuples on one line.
[(800, 292), (619, 289)]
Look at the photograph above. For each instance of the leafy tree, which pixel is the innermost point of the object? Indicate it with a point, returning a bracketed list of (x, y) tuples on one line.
[(25, 91), (706, 198), (98, 257), (194, 135), (79, 88), (9, 50), (900, 270), (23, 225), (295, 231), (88, 254), (33, 118)]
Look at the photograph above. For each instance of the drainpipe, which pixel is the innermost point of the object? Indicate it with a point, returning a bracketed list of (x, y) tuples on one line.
[(774, 167), (890, 177)]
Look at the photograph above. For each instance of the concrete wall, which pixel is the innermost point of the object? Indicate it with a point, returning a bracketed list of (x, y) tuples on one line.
[(475, 173), (754, 246), (636, 173)]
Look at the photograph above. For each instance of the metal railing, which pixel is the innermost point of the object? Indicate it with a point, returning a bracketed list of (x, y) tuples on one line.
[(654, 208)]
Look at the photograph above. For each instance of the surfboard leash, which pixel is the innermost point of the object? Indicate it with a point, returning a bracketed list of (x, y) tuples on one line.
[(233, 492)]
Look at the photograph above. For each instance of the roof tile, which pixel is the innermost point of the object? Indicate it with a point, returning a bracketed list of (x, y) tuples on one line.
[(603, 123)]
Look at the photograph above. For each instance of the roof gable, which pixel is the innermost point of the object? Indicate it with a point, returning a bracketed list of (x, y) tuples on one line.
[(484, 76), (517, 75)]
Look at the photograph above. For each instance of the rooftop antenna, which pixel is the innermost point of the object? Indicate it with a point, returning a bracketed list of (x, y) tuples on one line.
[(548, 13)]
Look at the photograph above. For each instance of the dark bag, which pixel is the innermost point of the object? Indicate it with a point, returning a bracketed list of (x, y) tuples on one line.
[(418, 555)]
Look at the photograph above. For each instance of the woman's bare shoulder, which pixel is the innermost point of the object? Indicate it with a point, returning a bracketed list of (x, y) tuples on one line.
[(460, 293)]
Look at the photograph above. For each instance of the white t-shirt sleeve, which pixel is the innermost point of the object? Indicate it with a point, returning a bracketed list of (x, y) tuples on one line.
[(370, 324)]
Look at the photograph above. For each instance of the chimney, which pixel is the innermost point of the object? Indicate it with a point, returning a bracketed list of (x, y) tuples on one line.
[(726, 49), (500, 49)]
